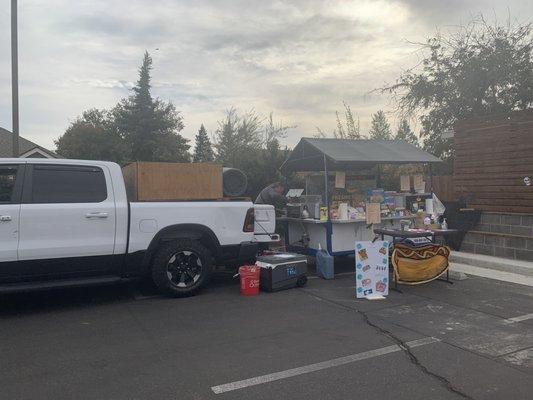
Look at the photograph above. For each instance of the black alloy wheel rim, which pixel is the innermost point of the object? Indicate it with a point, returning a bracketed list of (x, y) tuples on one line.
[(184, 268)]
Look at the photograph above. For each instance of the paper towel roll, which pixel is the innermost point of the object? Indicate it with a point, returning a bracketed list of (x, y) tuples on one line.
[(429, 206), (343, 211)]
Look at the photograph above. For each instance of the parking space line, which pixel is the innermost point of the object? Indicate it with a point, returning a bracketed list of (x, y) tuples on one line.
[(519, 318), (258, 380)]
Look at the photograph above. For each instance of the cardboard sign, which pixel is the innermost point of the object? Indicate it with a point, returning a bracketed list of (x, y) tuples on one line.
[(405, 183), (371, 269), (419, 184), (373, 213), (340, 179)]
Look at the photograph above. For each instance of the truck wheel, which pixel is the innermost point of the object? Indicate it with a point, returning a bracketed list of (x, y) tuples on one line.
[(181, 268)]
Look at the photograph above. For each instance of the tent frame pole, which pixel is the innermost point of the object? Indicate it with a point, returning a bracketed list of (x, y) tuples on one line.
[(328, 225), (430, 178), (326, 187)]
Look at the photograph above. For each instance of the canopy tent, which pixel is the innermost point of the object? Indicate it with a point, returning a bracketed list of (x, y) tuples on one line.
[(319, 154)]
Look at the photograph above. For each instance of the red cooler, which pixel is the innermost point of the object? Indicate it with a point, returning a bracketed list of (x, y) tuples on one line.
[(249, 275)]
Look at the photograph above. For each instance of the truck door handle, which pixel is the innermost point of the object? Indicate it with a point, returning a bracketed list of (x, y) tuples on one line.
[(96, 215), (5, 218)]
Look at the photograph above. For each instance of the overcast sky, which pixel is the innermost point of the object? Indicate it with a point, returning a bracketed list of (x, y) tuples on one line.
[(299, 59)]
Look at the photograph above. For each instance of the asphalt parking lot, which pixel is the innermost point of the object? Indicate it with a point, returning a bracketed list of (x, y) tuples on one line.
[(472, 339)]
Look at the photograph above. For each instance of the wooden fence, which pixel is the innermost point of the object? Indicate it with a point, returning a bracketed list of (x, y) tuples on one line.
[(443, 187), (493, 155)]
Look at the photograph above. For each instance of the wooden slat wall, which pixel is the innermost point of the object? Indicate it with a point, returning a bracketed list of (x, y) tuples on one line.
[(443, 187), (153, 181), (492, 157)]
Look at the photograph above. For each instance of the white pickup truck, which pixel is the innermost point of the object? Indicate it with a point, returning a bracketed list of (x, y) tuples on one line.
[(69, 223)]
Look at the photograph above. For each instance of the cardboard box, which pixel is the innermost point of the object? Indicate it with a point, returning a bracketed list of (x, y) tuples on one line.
[(154, 181)]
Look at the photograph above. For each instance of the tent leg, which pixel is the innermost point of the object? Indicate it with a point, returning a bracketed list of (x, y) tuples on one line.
[(326, 186), (430, 179)]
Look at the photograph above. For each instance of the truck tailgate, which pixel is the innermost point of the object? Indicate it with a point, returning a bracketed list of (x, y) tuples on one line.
[(265, 222)]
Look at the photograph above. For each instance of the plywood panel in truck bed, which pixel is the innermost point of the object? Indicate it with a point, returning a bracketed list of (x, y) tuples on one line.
[(153, 181)]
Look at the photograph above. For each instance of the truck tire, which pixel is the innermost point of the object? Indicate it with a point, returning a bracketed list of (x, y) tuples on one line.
[(181, 268)]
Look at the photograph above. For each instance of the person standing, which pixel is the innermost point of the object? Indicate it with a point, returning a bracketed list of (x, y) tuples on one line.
[(273, 194)]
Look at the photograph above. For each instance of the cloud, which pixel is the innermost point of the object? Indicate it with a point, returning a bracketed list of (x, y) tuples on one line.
[(452, 13), (116, 27), (100, 83), (298, 58), (315, 30)]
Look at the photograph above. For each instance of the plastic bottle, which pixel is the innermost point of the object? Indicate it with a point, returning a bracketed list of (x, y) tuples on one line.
[(324, 264)]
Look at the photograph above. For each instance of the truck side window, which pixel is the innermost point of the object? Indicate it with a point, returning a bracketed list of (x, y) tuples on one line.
[(8, 176), (68, 184)]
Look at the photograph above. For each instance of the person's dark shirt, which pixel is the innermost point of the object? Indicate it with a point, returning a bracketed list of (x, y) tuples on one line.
[(269, 195)]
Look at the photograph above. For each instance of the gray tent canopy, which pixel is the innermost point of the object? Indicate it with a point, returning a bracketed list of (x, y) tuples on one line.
[(345, 154)]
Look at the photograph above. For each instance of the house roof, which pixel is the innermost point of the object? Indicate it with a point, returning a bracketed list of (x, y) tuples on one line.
[(309, 153), (25, 145)]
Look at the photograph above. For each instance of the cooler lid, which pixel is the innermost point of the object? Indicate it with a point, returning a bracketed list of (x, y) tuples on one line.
[(282, 258)]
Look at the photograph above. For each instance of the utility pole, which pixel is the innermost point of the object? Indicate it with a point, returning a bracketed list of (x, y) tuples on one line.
[(14, 78)]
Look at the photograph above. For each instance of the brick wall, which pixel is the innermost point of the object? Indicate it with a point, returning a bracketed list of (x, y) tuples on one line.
[(502, 235)]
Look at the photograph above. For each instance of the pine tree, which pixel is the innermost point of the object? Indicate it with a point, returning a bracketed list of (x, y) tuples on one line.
[(226, 139), (405, 133), (203, 152), (237, 137), (150, 127), (380, 128)]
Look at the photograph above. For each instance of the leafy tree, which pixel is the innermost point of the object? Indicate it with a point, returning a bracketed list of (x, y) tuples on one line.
[(405, 133), (273, 131), (350, 128), (390, 174), (203, 152), (264, 168), (479, 69), (251, 143), (92, 136), (150, 127), (380, 128)]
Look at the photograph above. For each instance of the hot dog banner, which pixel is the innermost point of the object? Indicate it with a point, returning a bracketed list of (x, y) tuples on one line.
[(371, 268)]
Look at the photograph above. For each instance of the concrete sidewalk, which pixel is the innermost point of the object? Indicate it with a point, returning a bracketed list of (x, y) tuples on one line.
[(502, 269)]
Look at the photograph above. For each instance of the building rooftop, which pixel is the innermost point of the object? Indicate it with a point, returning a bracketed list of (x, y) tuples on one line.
[(27, 148)]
